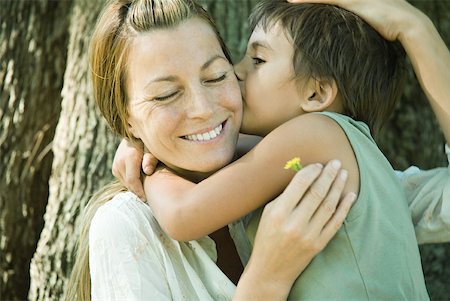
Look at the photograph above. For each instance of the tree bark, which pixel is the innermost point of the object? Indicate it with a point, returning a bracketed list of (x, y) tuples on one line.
[(33, 42), (84, 146), (83, 150), (231, 19)]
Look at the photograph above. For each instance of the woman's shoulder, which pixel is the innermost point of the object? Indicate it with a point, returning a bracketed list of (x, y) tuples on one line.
[(123, 204), (123, 200), (123, 214)]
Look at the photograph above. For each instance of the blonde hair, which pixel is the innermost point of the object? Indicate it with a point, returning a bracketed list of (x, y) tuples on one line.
[(79, 287), (119, 23)]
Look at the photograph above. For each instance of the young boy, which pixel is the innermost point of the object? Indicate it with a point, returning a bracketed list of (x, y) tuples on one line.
[(345, 73)]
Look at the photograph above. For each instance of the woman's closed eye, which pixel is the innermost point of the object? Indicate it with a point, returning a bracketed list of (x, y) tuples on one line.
[(167, 96), (217, 79)]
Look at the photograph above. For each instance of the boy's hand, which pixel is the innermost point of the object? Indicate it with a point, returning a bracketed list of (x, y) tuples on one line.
[(127, 166), (149, 162)]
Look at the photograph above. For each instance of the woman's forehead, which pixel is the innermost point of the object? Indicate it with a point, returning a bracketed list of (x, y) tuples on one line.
[(186, 34), (192, 39), (182, 51)]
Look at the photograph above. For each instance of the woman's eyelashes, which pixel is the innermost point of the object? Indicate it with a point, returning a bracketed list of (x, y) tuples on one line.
[(174, 94), (217, 79), (166, 96)]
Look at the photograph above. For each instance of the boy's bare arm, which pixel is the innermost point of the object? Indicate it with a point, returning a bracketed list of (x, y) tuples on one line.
[(188, 211)]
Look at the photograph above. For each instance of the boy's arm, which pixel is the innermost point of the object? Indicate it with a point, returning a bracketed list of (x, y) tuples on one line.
[(187, 211), (129, 158)]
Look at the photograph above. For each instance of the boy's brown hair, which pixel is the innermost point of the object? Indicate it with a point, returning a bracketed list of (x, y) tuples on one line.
[(332, 43)]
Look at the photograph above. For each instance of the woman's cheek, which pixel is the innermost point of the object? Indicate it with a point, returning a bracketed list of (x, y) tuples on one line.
[(234, 97)]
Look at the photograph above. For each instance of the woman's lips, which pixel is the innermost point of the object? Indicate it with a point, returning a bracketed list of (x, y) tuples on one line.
[(207, 135)]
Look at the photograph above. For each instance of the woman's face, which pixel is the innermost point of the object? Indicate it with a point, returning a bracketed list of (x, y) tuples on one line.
[(184, 99)]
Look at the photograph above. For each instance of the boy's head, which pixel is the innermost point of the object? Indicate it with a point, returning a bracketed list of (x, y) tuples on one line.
[(337, 62)]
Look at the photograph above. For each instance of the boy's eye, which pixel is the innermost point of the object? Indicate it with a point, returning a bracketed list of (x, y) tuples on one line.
[(217, 79), (166, 97), (258, 61)]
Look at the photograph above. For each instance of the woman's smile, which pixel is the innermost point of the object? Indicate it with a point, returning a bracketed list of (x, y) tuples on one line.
[(206, 135)]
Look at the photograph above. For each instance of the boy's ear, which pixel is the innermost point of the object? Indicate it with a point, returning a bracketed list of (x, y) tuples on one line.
[(320, 95)]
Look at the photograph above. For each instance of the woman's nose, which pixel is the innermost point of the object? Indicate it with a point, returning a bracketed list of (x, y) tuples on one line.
[(201, 104)]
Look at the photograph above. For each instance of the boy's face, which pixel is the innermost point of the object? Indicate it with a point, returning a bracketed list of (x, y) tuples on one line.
[(270, 92)]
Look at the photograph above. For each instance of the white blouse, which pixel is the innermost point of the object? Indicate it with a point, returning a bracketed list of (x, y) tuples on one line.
[(131, 258)]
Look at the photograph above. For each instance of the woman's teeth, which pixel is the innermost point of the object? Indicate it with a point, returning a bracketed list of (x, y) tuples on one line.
[(206, 136)]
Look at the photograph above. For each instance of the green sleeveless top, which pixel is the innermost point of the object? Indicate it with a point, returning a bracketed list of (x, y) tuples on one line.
[(374, 256)]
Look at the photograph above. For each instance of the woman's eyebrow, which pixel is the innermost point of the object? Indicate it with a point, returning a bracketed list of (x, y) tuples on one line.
[(169, 78), (212, 60)]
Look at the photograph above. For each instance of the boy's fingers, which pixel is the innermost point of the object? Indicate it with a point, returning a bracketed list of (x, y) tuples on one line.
[(339, 216), (328, 207), (149, 163), (137, 189), (299, 184), (319, 189), (134, 184)]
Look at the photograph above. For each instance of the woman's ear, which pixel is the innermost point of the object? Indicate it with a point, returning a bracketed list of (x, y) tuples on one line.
[(320, 95)]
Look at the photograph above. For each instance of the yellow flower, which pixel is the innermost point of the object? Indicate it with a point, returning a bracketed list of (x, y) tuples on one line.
[(293, 164)]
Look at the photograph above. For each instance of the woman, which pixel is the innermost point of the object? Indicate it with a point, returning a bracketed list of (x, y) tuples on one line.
[(130, 257)]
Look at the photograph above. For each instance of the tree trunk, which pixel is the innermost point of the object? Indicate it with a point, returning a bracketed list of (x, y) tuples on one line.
[(84, 146), (33, 42), (83, 150), (231, 19)]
